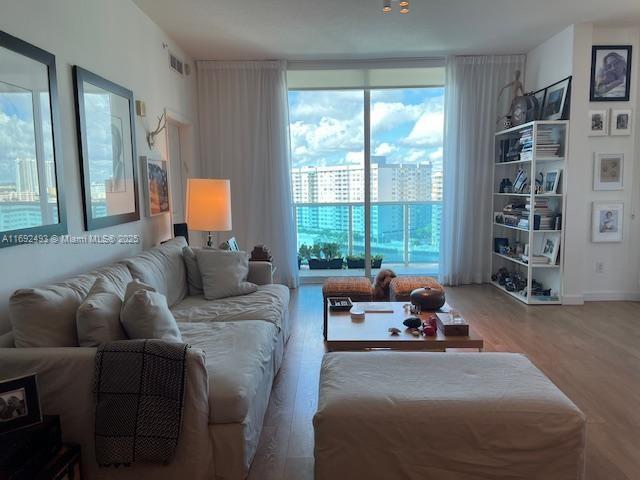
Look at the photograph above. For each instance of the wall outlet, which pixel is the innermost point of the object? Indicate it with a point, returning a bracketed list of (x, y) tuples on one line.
[(599, 267)]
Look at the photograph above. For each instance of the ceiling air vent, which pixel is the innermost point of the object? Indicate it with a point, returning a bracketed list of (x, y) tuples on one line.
[(176, 64)]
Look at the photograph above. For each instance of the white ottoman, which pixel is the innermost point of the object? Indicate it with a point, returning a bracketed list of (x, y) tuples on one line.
[(402, 415)]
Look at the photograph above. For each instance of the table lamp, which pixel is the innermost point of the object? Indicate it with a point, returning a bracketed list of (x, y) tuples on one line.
[(208, 207)]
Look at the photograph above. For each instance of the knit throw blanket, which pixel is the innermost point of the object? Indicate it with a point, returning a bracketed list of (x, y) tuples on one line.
[(139, 387)]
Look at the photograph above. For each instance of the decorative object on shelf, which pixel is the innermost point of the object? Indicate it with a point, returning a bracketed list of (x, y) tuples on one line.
[(607, 171), (260, 253), (506, 186), (610, 73), (539, 96), (428, 298), (19, 403), (523, 109), (208, 206), (598, 123), (520, 183), (156, 185), (498, 217), (507, 123), (230, 245), (556, 101), (31, 152), (551, 181), (106, 140), (607, 222), (517, 90), (550, 247), (621, 121)]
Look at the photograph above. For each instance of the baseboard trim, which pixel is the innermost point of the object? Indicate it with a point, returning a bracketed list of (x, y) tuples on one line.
[(612, 296), (573, 300)]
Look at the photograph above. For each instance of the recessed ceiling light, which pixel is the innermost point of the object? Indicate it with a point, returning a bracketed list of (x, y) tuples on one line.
[(386, 6), (403, 3), (404, 10)]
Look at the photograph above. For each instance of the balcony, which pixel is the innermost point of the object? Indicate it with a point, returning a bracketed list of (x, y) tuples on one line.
[(405, 234)]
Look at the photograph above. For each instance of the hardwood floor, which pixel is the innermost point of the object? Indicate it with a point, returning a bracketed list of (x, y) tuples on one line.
[(591, 352)]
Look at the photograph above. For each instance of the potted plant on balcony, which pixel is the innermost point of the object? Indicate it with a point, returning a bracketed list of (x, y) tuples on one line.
[(326, 256), (357, 261), (304, 253)]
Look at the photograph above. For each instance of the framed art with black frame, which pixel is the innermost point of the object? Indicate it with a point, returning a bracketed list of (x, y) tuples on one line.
[(19, 403), (610, 73), (106, 141), (556, 101), (32, 206)]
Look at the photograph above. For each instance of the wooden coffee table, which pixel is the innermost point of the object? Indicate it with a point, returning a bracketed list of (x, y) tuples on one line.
[(345, 333)]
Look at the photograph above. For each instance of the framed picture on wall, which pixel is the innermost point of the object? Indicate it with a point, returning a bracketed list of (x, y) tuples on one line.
[(598, 123), (556, 100), (607, 171), (31, 193), (156, 186), (607, 221), (621, 122), (610, 73), (106, 140)]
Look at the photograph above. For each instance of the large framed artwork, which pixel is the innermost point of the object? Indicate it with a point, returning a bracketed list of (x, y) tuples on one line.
[(607, 221), (32, 207), (156, 181), (610, 73), (106, 140)]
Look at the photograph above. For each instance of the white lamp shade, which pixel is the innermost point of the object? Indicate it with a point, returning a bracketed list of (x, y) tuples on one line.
[(208, 206)]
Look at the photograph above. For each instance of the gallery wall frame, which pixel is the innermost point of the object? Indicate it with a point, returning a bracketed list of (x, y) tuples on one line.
[(96, 120), (610, 79)]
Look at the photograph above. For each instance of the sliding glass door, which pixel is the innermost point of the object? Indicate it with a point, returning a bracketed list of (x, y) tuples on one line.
[(367, 179)]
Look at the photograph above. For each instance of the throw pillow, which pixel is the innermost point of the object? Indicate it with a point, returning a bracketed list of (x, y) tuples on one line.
[(98, 316), (194, 277), (224, 273), (145, 314)]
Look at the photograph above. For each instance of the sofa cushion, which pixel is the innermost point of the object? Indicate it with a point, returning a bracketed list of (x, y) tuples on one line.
[(239, 355), (163, 268), (268, 302), (194, 277), (224, 273), (98, 316), (145, 314), (46, 316)]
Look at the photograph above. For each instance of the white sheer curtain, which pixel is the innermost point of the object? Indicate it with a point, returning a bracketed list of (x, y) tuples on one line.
[(471, 94), (244, 136)]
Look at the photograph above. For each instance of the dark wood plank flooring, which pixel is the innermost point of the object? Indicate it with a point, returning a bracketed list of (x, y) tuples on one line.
[(590, 352)]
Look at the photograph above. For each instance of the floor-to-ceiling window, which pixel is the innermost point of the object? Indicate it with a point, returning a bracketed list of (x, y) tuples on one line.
[(340, 137)]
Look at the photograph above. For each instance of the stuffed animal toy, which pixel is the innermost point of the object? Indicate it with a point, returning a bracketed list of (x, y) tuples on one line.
[(381, 285)]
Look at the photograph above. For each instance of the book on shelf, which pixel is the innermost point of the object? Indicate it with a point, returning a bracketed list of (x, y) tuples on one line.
[(535, 259)]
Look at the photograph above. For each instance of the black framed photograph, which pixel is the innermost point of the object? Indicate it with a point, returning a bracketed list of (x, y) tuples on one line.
[(31, 194), (539, 96), (106, 141), (19, 403), (556, 101), (610, 73)]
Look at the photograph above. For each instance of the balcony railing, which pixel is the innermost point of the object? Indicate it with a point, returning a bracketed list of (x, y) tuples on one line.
[(403, 233)]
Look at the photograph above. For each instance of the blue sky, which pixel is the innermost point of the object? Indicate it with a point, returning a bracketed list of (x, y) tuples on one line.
[(327, 126)]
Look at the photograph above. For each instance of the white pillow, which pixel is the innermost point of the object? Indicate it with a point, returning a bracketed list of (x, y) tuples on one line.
[(146, 315), (224, 273), (98, 316), (194, 277)]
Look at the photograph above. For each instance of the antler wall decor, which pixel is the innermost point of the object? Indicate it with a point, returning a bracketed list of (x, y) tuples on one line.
[(162, 124)]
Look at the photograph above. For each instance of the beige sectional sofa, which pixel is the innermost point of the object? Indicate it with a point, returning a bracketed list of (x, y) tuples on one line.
[(237, 348)]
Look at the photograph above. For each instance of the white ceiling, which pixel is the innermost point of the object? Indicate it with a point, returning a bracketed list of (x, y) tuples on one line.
[(357, 29)]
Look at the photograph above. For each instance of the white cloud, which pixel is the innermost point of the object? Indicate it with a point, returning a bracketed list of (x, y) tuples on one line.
[(356, 158), (436, 155), (386, 116), (384, 149), (427, 131)]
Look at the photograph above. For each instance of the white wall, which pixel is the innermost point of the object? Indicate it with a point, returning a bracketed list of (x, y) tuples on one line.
[(116, 40), (620, 279)]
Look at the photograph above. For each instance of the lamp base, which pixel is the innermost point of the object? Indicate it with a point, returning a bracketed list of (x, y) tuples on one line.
[(209, 241)]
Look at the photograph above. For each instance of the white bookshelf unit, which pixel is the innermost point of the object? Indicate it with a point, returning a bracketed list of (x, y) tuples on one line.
[(529, 218)]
